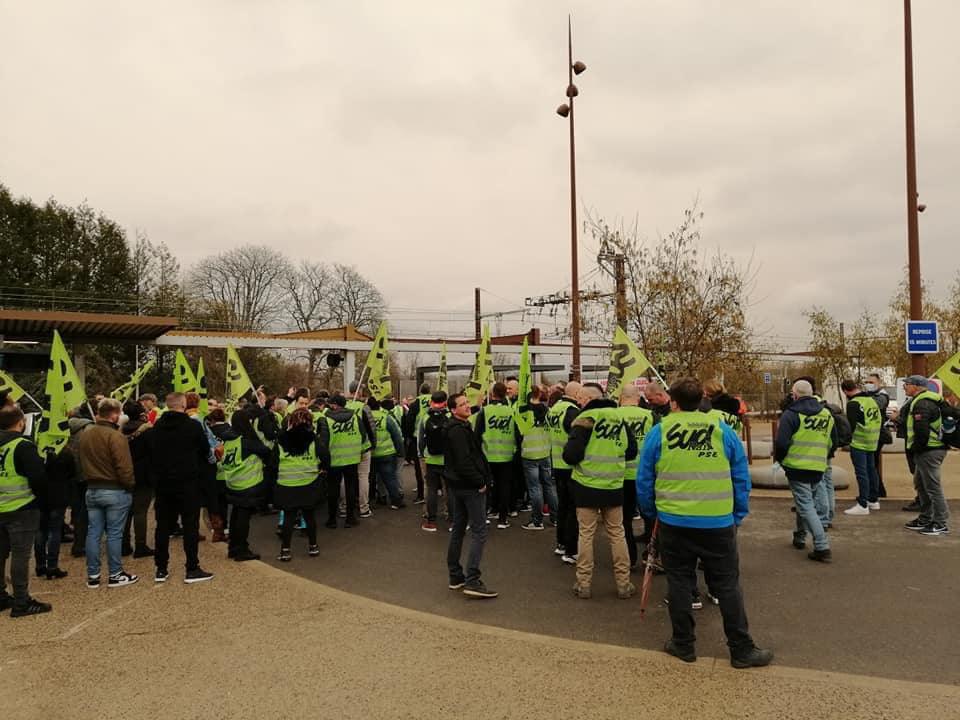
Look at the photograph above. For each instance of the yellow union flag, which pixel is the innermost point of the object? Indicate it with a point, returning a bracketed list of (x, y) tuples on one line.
[(184, 380), (442, 373), (204, 408), (8, 384), (66, 392), (525, 385), (378, 366), (627, 363), (482, 377), (949, 373), (238, 382), (125, 391)]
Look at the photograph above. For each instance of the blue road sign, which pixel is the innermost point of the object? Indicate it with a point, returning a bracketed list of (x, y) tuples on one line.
[(922, 336), (767, 378)]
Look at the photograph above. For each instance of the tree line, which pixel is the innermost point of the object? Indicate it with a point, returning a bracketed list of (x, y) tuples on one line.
[(77, 259)]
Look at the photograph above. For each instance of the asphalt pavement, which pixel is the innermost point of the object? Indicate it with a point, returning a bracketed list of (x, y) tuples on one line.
[(885, 607)]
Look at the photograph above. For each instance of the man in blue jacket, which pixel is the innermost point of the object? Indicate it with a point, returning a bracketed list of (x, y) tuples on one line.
[(693, 475)]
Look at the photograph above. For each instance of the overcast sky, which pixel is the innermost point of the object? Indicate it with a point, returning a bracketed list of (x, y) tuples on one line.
[(418, 140)]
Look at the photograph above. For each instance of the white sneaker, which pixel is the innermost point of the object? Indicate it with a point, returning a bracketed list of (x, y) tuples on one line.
[(857, 509), (873, 506)]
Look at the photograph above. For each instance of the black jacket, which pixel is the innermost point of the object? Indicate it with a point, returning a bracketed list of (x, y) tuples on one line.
[(136, 432), (61, 475), (575, 450), (726, 403), (27, 462), (790, 423), (176, 448), (465, 465)]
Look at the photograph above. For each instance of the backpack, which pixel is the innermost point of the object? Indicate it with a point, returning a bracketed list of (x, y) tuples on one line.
[(844, 430), (434, 429), (950, 424)]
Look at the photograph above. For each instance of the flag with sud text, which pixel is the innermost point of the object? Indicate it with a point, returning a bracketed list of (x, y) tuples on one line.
[(66, 392), (378, 366), (627, 363)]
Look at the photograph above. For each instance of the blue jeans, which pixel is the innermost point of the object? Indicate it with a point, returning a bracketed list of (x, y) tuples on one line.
[(106, 512), (868, 481), (386, 471), (469, 509), (807, 516), (539, 483)]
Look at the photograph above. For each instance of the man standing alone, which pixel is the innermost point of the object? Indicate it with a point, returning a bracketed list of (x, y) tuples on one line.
[(694, 475), (468, 477)]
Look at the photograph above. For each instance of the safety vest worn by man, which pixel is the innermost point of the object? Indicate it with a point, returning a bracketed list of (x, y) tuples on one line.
[(357, 407), (14, 488), (499, 440), (237, 472), (934, 441), (345, 441), (693, 473), (810, 444), (384, 446), (558, 435), (604, 459), (297, 470), (732, 420), (866, 435), (535, 438), (638, 422)]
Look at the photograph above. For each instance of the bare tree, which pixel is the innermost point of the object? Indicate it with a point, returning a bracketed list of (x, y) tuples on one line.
[(355, 300), (687, 309), (246, 282)]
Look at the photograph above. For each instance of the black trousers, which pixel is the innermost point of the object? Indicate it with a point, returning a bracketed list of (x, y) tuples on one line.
[(290, 520), (414, 457), (568, 530), (351, 489), (17, 532), (629, 510), (503, 485), (137, 517), (78, 518), (680, 549), (168, 508)]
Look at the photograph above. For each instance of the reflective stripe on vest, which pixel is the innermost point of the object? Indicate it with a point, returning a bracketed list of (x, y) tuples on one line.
[(238, 472), (345, 446), (604, 462), (535, 442), (558, 436), (866, 435), (810, 444), (934, 440), (297, 470), (259, 433), (693, 473), (384, 446), (638, 422), (14, 488), (499, 441)]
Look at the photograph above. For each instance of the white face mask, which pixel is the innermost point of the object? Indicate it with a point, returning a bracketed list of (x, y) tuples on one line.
[(869, 387)]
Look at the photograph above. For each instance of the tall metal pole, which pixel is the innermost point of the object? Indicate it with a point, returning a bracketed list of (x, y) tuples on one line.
[(918, 362), (574, 269)]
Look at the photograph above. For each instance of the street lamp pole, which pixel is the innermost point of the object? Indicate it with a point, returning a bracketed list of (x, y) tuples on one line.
[(918, 362), (566, 110)]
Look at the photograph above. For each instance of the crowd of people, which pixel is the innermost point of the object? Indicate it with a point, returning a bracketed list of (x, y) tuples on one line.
[(572, 458)]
